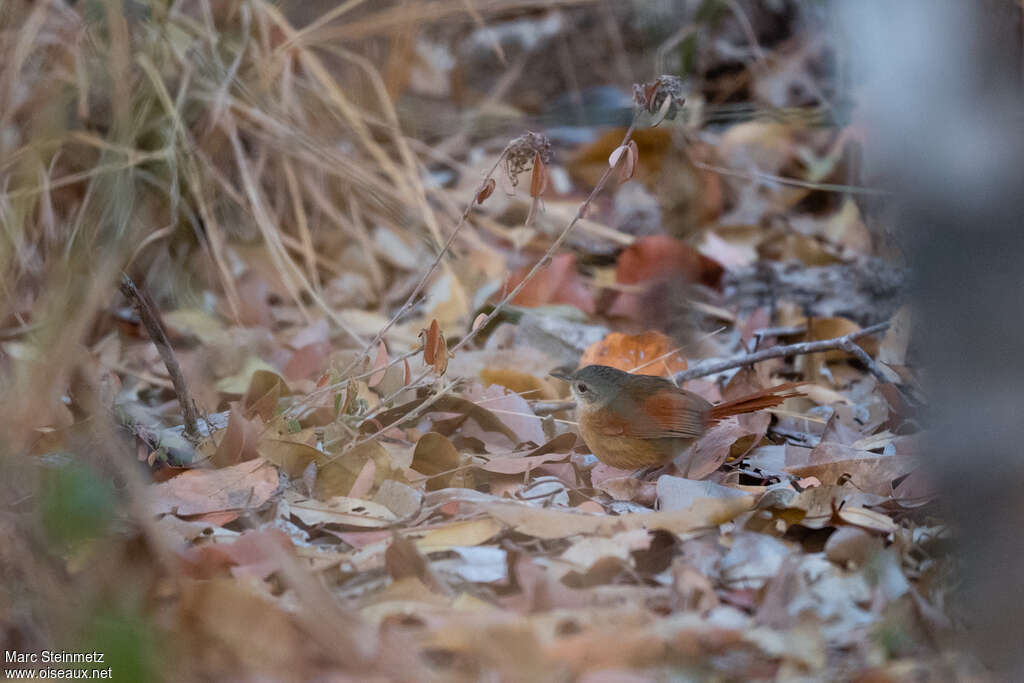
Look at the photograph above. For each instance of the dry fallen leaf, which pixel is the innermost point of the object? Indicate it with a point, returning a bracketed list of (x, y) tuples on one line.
[(649, 353), (244, 486)]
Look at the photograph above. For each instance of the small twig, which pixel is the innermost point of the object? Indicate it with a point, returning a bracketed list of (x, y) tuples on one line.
[(150, 317), (794, 182), (844, 343), (780, 331), (411, 299), (546, 258), (550, 407)]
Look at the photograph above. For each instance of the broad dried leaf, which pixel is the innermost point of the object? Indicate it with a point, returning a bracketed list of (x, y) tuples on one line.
[(553, 451), (337, 474), (342, 511), (244, 486), (549, 523), (465, 533), (437, 458)]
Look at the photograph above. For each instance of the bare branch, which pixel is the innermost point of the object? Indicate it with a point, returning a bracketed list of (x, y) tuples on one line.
[(150, 317), (845, 343)]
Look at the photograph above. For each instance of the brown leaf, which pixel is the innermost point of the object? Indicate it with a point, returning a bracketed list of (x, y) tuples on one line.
[(449, 404), (337, 475), (486, 191), (403, 560), (441, 360), (244, 486), (437, 458), (239, 442), (867, 471), (539, 178), (265, 390), (431, 339), (553, 451)]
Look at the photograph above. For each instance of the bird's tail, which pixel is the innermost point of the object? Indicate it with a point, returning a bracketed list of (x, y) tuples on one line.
[(767, 398)]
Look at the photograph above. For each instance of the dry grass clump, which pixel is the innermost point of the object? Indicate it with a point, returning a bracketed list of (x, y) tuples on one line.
[(156, 138)]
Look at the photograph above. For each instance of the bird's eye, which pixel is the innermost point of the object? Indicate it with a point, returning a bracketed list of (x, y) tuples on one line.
[(582, 388)]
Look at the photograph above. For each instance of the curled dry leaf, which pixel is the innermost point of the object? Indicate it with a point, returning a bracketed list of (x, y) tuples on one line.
[(264, 391), (662, 112), (431, 338), (441, 360), (435, 348), (486, 191), (629, 162), (539, 178), (616, 155)]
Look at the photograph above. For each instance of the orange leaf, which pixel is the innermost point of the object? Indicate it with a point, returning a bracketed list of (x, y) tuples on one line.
[(430, 343), (650, 353)]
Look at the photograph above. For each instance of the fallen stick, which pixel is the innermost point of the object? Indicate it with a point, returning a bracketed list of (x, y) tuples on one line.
[(845, 343), (150, 317)]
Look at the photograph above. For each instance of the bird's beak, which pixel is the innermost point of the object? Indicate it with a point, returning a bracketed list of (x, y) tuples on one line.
[(561, 373)]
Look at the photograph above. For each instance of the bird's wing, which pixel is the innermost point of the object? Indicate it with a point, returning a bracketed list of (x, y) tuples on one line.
[(665, 415)]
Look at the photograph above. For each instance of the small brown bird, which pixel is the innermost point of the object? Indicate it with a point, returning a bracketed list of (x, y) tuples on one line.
[(639, 421)]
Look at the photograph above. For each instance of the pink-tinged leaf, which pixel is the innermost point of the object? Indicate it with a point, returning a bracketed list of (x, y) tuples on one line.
[(364, 480), (379, 369)]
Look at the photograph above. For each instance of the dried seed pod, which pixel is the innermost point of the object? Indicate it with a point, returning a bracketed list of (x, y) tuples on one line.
[(652, 97)]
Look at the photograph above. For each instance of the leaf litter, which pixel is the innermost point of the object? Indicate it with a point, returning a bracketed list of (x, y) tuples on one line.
[(426, 493)]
